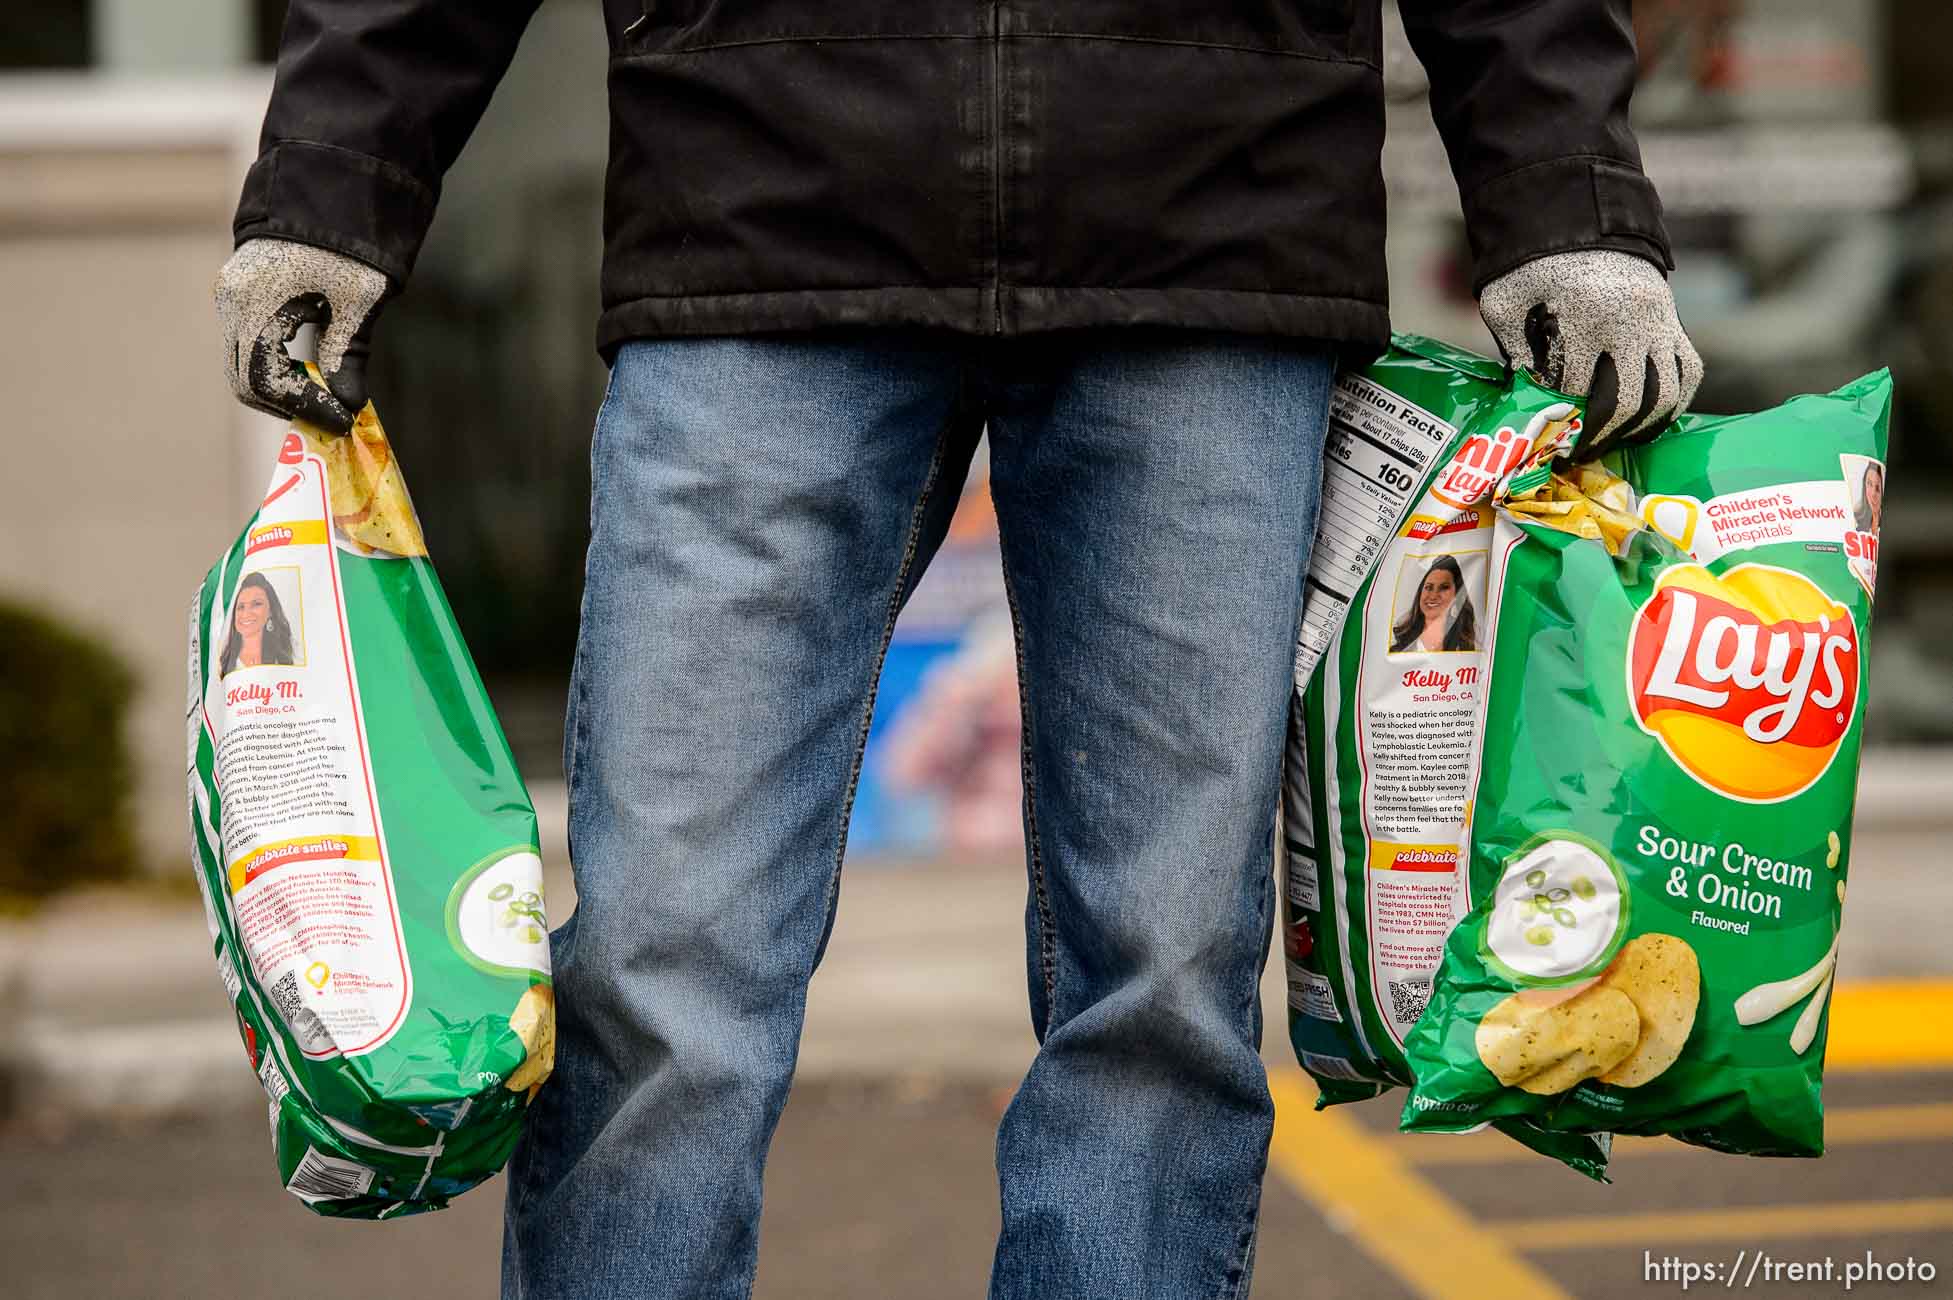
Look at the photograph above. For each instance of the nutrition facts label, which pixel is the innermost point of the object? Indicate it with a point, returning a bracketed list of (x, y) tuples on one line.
[(1378, 449)]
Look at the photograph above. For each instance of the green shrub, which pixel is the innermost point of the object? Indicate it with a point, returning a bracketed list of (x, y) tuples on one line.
[(65, 767)]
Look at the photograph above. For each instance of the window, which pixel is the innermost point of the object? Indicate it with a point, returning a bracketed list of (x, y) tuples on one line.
[(37, 34)]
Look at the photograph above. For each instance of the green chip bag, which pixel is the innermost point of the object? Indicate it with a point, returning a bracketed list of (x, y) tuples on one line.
[(1660, 821), (1391, 671), (365, 849)]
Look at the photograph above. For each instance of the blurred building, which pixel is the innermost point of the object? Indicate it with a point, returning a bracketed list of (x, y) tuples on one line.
[(1804, 149)]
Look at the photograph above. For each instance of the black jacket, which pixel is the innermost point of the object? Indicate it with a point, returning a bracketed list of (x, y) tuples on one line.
[(993, 166)]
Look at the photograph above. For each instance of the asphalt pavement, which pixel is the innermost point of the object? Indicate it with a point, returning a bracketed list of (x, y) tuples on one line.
[(886, 1188), (136, 1163)]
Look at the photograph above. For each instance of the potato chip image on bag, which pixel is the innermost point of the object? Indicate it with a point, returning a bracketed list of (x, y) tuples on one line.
[(365, 848), (1660, 813), (1659, 974), (1623, 1027), (1548, 1048)]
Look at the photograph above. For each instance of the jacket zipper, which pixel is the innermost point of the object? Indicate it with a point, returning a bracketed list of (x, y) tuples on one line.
[(996, 167)]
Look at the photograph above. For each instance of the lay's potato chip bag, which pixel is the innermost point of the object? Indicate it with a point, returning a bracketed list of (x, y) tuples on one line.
[(366, 851), (1391, 672), (1659, 821)]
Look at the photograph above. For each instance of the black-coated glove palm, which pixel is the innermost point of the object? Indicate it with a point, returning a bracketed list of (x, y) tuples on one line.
[(1601, 325), (266, 291)]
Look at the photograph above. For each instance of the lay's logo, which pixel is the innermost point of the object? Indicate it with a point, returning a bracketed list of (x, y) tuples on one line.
[(1748, 678), (1482, 461)]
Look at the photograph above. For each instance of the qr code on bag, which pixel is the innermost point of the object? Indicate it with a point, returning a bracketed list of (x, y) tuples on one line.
[(1407, 1000), (285, 994), (306, 1027)]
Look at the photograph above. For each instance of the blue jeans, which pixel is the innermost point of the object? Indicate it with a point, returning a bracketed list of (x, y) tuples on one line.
[(761, 507)]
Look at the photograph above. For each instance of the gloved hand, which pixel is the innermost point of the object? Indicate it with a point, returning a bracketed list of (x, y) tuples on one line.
[(264, 293), (1601, 325)]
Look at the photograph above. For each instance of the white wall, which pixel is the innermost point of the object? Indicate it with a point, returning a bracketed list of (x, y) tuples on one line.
[(127, 467), (171, 35)]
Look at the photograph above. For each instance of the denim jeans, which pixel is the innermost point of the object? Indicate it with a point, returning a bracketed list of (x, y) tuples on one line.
[(761, 507)]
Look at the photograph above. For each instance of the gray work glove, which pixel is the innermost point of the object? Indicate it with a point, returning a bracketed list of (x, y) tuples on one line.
[(266, 291), (1601, 325)]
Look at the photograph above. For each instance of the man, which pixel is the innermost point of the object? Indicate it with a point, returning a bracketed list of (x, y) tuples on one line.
[(841, 240)]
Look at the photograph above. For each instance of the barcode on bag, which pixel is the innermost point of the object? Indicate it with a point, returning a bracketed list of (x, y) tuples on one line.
[(1330, 1067), (1407, 1000), (326, 1178)]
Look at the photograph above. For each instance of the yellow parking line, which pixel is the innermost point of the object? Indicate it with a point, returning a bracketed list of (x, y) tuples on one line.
[(1360, 1186), (1843, 1126), (1666, 1227), (1891, 1025)]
